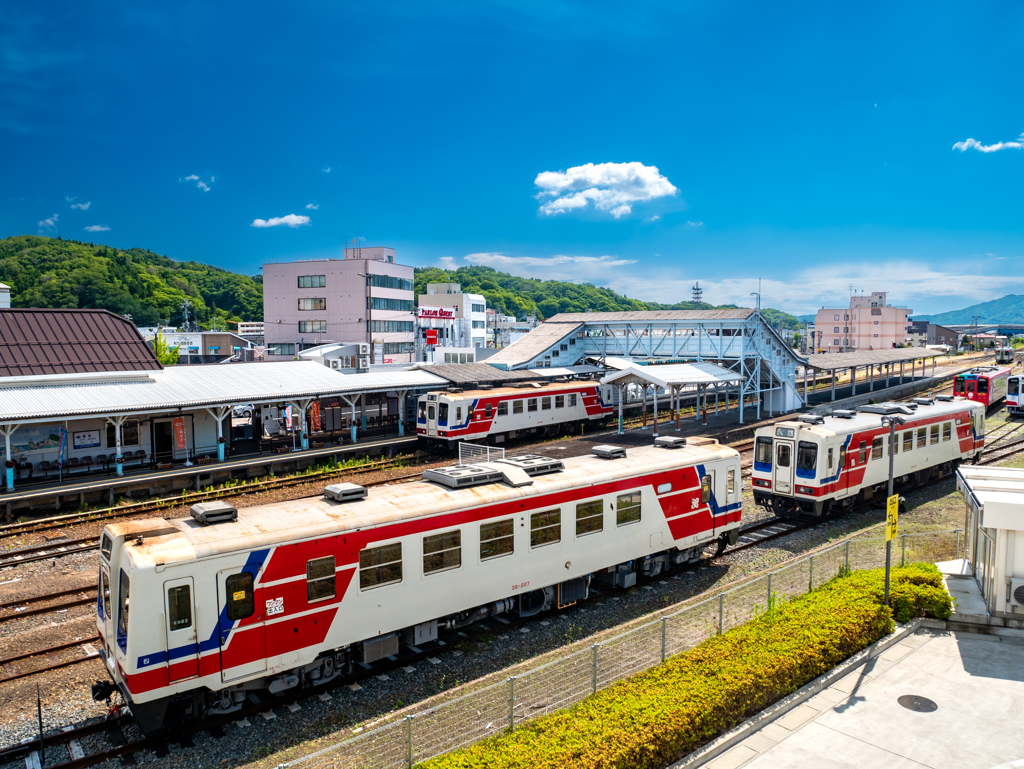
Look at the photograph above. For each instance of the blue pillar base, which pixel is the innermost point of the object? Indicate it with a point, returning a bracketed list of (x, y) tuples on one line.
[(305, 443), (353, 433), (364, 423), (401, 427), (119, 466), (220, 452), (10, 479)]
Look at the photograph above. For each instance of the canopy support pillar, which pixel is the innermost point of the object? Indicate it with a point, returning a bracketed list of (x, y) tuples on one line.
[(219, 414), (8, 431)]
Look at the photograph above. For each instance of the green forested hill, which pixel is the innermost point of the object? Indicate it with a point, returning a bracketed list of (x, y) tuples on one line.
[(516, 296), (49, 272), (1006, 309)]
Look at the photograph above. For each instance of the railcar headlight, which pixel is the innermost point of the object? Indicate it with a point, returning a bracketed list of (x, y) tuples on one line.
[(804, 490), (762, 482)]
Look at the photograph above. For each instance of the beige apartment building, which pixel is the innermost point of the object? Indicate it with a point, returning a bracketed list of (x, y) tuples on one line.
[(869, 323)]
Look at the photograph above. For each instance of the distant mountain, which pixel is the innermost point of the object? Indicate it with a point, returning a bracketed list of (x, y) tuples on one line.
[(1008, 309), (53, 273), (807, 318)]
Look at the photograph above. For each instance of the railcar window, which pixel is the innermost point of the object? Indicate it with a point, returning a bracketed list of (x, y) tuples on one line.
[(545, 528), (240, 600), (1013, 386), (894, 447), (862, 452), (442, 551), (559, 401), (922, 437), (935, 434), (517, 407), (807, 456), (123, 589), (958, 385), (105, 588), (497, 539), (379, 566), (422, 410), (572, 399), (830, 457), (982, 385), (876, 447), (458, 414), (782, 456), (589, 517), (442, 412), (764, 451), (730, 479), (705, 481), (487, 411), (430, 412), (106, 546), (627, 508), (531, 404), (320, 579), (545, 403), (947, 431), (503, 409), (842, 456), (179, 607), (908, 440)]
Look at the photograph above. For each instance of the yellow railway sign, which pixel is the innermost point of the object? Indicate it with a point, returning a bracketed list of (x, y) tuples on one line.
[(892, 514)]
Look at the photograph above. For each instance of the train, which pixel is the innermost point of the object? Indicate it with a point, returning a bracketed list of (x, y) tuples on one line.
[(496, 414), (1014, 396), (1005, 355), (982, 384), (814, 466), (196, 614)]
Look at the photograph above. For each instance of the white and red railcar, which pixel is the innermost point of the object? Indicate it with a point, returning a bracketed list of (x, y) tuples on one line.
[(816, 465), (983, 384), (1014, 395), (490, 416), (193, 616)]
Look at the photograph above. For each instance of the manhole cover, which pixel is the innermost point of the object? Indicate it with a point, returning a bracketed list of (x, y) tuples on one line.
[(917, 704)]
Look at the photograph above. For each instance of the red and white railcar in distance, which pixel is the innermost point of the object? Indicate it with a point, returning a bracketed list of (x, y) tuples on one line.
[(983, 384), (1014, 396), (815, 465), (194, 615), (492, 415)]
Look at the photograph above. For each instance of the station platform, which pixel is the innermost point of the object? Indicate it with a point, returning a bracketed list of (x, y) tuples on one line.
[(154, 482)]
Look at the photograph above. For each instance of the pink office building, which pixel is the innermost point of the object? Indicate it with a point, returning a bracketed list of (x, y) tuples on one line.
[(365, 297), (867, 324)]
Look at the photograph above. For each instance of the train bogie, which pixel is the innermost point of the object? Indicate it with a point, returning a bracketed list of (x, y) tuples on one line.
[(192, 617), (817, 465)]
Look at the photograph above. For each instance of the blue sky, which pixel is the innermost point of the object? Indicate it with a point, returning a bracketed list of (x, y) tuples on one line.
[(642, 146)]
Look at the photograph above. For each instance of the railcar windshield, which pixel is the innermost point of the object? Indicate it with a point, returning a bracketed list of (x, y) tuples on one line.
[(442, 413), (806, 459), (763, 455), (982, 385), (123, 588), (958, 385), (1013, 386)]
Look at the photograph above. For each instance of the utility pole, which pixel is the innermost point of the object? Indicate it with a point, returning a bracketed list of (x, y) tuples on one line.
[(892, 503)]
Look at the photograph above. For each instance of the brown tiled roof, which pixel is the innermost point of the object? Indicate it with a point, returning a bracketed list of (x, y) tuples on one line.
[(39, 342)]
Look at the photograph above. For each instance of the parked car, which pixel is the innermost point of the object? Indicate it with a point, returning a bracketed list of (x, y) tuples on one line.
[(245, 410)]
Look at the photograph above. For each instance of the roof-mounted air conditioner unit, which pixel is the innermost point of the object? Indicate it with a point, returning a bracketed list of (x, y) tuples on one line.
[(609, 452), (345, 492)]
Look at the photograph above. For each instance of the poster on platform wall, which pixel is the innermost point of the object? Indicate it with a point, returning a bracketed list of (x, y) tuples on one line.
[(35, 438), (86, 439)]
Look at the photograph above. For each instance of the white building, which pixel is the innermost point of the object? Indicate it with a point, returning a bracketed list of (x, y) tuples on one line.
[(5, 296), (459, 320)]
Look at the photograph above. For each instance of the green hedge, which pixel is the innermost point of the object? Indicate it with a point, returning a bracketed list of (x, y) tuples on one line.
[(662, 714)]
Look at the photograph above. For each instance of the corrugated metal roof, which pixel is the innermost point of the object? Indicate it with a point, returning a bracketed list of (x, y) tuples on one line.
[(621, 317), (39, 342), (534, 343), (464, 373), (675, 375), (196, 386), (835, 360)]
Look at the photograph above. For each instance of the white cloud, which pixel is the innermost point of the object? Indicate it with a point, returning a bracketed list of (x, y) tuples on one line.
[(312, 207), (974, 144), (202, 186), (327, 169), (696, 224), (191, 178), (71, 202), (198, 180), (96, 228), (611, 187), (652, 218), (447, 263), (49, 224), (292, 220)]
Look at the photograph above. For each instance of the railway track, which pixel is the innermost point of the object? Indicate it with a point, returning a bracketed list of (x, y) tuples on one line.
[(52, 549), (80, 596)]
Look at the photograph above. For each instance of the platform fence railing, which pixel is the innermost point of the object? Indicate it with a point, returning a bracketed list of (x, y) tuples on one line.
[(561, 679), (472, 452)]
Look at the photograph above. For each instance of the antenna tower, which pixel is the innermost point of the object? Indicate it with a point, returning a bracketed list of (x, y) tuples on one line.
[(698, 293)]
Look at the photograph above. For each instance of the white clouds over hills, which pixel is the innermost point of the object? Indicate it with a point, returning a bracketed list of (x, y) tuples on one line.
[(612, 187)]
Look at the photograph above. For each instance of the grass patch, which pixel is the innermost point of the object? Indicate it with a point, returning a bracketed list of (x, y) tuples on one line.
[(662, 714)]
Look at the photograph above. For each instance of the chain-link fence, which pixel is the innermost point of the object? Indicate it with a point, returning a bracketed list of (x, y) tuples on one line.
[(561, 680)]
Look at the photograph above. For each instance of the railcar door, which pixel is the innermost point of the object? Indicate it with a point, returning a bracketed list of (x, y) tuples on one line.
[(783, 480), (180, 627), (970, 388), (431, 419), (243, 648)]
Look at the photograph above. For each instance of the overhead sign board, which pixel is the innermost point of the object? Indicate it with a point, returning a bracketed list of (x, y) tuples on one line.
[(441, 313)]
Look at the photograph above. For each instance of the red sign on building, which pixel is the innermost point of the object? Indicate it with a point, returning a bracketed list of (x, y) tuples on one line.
[(431, 336), (179, 433), (314, 415)]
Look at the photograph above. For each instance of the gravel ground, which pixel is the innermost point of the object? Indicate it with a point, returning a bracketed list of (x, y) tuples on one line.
[(316, 722)]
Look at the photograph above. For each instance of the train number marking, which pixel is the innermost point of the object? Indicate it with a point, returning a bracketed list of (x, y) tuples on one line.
[(275, 606), (521, 585)]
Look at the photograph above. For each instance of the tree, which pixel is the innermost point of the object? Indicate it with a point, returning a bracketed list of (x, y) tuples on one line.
[(166, 354)]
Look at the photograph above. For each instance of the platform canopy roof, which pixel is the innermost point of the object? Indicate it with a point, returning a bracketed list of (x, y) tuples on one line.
[(649, 315), (51, 399), (837, 360), (674, 375), (534, 343)]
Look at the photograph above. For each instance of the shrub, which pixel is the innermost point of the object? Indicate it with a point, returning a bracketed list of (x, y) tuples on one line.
[(916, 590), (660, 715)]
